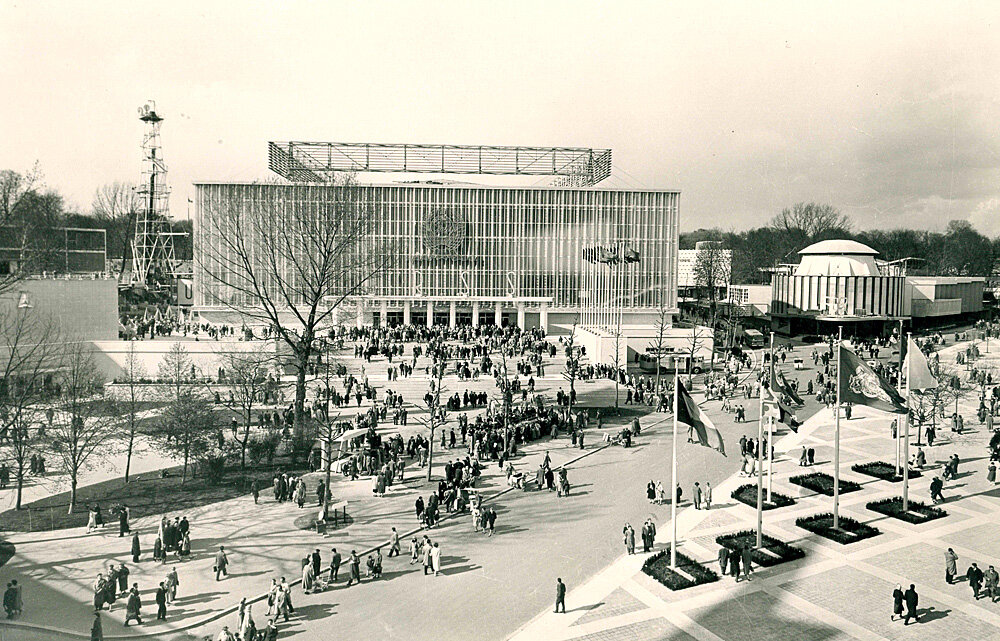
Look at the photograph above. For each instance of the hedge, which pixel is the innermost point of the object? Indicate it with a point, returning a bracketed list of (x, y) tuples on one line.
[(780, 550), (882, 470), (823, 483), (747, 494), (918, 513), (658, 567), (850, 530)]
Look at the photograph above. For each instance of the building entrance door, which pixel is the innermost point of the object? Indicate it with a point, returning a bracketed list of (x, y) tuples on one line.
[(465, 318)]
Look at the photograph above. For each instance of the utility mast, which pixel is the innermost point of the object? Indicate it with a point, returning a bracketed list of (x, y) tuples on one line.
[(153, 259)]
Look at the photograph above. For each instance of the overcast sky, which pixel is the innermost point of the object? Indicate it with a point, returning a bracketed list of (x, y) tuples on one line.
[(889, 111)]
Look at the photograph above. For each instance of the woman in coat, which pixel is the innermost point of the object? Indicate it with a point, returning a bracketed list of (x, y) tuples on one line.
[(248, 631), (308, 577), (897, 603), (629, 535)]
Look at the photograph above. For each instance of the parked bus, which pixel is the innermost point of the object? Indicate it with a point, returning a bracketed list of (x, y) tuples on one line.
[(753, 338), (670, 362)]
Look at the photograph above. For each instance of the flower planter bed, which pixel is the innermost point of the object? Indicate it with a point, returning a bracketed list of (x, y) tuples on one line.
[(658, 567), (747, 494), (918, 512), (850, 530), (823, 483), (773, 553), (882, 470)]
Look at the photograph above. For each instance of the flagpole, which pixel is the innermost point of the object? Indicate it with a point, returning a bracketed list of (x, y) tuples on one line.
[(836, 437), (673, 476), (906, 440), (760, 476), (770, 428)]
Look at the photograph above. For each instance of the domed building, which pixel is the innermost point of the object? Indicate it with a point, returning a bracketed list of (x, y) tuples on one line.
[(837, 283)]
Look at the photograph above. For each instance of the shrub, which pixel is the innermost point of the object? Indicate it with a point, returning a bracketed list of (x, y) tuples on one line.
[(882, 470), (823, 483), (263, 448), (214, 467), (658, 567), (918, 512), (780, 551), (850, 530), (747, 494)]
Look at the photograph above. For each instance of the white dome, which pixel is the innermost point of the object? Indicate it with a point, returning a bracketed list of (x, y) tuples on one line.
[(838, 258), (839, 247)]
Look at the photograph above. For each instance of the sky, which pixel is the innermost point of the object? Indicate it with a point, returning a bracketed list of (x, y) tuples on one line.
[(889, 111)]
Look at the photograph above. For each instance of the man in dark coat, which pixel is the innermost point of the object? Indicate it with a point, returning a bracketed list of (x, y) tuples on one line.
[(560, 595), (161, 602), (975, 577), (134, 605), (123, 527), (123, 579), (746, 556), (734, 564), (723, 559), (910, 596), (334, 564), (135, 547), (316, 562)]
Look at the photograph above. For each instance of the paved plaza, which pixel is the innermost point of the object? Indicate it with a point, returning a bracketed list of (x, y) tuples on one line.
[(502, 587)]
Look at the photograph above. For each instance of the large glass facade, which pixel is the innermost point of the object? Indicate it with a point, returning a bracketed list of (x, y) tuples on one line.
[(473, 243)]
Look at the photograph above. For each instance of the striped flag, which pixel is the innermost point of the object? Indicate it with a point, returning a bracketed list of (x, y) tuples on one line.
[(781, 385), (702, 431), (781, 412)]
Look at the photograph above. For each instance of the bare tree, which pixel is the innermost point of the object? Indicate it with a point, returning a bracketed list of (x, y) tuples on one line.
[(186, 429), (28, 354), (28, 217), (130, 405), (270, 259), (175, 368), (247, 374), (85, 424), (572, 371), (696, 340), (659, 344), (811, 221), (117, 205), (437, 416), (616, 361), (712, 272)]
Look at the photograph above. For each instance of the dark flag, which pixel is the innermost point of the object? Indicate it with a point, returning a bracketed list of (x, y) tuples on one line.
[(780, 384), (780, 411), (703, 431), (861, 385)]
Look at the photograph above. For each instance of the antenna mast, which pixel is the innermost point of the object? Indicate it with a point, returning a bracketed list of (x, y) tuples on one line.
[(152, 246)]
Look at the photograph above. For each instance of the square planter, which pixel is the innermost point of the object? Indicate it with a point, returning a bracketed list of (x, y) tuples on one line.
[(918, 512), (658, 567), (747, 494), (773, 552), (882, 470), (850, 530), (823, 483)]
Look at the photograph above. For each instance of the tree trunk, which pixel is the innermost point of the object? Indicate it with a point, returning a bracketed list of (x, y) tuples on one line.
[(302, 364), (243, 446), (72, 492), (20, 485), (184, 472), (131, 443), (430, 451)]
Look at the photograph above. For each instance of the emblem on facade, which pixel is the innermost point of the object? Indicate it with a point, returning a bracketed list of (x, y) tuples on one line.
[(444, 233), (866, 383)]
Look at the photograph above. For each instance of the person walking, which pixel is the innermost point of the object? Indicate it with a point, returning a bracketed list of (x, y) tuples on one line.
[(991, 582), (746, 556), (133, 608), (221, 563), (628, 534), (897, 603), (97, 629), (560, 595), (161, 602), (911, 599), (696, 496), (734, 564), (354, 564), (936, 486), (991, 473), (950, 566), (334, 564), (255, 491), (135, 547), (723, 559), (436, 558), (975, 577), (393, 543), (706, 495)]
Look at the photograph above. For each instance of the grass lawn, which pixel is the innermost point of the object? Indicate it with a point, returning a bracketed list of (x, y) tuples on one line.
[(145, 494)]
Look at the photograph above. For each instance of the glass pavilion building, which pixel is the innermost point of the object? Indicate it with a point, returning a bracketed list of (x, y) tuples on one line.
[(473, 254)]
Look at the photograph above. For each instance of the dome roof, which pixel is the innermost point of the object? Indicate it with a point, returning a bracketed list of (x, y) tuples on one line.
[(838, 247)]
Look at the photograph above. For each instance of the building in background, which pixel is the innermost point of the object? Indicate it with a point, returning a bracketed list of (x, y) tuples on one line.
[(469, 254), (840, 283), (687, 263)]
